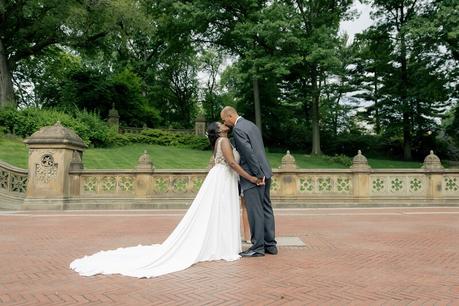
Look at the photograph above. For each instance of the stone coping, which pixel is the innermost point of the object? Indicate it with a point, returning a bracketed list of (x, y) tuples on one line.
[(136, 171), (275, 171), (9, 167)]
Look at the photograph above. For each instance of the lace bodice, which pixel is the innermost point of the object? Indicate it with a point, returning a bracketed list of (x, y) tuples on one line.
[(219, 158)]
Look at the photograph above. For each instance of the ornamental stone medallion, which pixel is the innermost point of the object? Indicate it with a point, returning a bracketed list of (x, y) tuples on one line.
[(46, 170)]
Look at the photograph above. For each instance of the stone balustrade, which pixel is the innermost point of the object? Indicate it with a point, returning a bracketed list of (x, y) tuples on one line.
[(57, 180), (13, 186)]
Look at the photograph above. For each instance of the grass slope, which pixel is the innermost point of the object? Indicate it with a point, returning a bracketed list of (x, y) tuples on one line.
[(14, 152)]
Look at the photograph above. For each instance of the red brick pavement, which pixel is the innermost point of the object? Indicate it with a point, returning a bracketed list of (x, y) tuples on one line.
[(374, 256)]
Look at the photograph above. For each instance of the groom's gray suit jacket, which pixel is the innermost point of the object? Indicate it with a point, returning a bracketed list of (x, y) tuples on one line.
[(249, 143)]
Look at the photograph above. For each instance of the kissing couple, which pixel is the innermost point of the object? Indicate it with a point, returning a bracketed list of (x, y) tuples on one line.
[(210, 229)]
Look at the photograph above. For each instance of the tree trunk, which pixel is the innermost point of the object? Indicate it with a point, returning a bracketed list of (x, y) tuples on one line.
[(406, 136), (404, 96), (377, 119), (256, 97), (315, 115), (6, 82)]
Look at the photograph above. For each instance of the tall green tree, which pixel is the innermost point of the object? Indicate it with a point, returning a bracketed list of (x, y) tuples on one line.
[(159, 47), (212, 65), (177, 92), (315, 24), (337, 107), (407, 105), (394, 16), (372, 51), (28, 28), (276, 38)]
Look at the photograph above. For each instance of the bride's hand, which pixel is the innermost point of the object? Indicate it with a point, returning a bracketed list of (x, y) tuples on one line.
[(254, 180), (261, 181)]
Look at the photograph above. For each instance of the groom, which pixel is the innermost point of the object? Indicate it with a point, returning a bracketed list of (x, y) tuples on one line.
[(248, 141)]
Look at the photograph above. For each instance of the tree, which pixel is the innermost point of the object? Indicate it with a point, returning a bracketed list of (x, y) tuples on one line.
[(437, 25), (337, 108), (211, 61), (28, 28), (177, 91), (393, 16), (406, 72), (372, 50), (236, 26), (315, 24)]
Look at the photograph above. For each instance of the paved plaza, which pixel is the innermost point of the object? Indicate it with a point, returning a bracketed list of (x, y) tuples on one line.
[(374, 256)]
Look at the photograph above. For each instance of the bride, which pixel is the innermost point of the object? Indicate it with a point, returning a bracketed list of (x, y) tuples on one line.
[(210, 229)]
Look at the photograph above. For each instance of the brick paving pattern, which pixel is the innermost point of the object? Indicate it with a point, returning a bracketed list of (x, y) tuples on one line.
[(405, 256)]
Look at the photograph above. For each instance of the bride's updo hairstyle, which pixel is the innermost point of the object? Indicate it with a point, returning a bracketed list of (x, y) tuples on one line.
[(212, 133)]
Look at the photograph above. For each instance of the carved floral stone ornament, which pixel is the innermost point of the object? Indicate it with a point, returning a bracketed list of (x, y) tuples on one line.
[(47, 160), (46, 169)]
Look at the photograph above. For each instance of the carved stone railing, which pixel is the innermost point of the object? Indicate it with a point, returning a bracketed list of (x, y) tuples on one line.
[(380, 187), (149, 188), (57, 180), (289, 188), (134, 188), (13, 186)]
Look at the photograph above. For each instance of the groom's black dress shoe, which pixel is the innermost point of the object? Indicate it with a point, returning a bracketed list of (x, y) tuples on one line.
[(271, 250), (250, 253)]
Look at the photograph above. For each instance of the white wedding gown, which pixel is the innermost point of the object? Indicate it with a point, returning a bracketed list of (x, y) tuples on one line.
[(210, 230)]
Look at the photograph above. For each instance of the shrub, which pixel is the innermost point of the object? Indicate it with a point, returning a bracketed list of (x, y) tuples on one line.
[(165, 138), (27, 121), (91, 129), (340, 159)]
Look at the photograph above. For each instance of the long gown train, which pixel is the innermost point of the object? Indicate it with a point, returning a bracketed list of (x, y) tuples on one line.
[(210, 230)]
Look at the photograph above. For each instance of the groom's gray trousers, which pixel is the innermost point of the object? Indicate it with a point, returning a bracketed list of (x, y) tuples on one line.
[(261, 217)]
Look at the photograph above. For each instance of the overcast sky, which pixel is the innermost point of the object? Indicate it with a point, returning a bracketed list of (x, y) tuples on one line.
[(360, 23)]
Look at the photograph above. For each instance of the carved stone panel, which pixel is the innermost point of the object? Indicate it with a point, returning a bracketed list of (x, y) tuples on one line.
[(451, 184), (18, 183), (46, 170), (4, 178), (399, 185), (321, 184)]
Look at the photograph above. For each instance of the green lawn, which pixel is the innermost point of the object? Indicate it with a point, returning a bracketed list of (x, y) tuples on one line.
[(14, 152)]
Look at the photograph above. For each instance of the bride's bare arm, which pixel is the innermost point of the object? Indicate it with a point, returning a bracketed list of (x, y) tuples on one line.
[(229, 157)]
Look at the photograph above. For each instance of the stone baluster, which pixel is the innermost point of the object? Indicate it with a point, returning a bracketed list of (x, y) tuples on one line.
[(434, 172), (361, 177), (288, 180), (144, 178)]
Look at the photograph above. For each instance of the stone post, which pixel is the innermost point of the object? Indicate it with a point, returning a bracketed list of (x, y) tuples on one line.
[(434, 173), (53, 151), (200, 126), (288, 180), (361, 177), (114, 118), (144, 178)]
